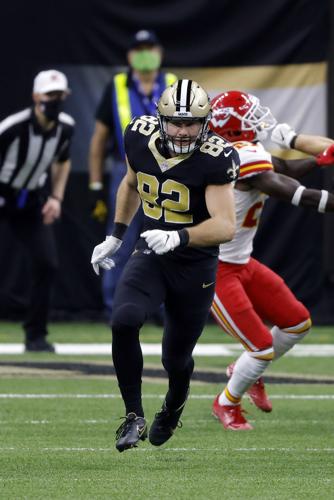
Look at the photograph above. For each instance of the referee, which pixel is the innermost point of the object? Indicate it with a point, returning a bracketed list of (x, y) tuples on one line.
[(34, 168)]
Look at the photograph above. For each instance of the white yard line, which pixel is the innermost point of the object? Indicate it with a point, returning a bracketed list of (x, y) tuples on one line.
[(224, 350), (154, 450), (313, 397), (193, 421)]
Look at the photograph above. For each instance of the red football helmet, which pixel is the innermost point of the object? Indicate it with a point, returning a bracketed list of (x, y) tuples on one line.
[(238, 116)]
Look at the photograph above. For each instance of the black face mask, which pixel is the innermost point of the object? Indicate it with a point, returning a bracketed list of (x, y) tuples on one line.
[(51, 109)]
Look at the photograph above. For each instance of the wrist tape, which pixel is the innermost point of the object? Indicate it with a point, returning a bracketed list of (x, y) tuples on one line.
[(184, 237), (293, 141), (297, 195), (118, 230), (323, 201)]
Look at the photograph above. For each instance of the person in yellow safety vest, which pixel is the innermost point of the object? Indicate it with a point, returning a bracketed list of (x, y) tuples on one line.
[(131, 93)]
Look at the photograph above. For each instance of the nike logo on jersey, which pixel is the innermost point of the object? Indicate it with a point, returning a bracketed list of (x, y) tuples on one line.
[(228, 154), (206, 285)]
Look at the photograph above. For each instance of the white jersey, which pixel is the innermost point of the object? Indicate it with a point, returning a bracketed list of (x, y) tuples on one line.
[(254, 159)]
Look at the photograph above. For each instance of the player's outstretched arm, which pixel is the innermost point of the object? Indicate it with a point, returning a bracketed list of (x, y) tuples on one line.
[(312, 144), (287, 189), (287, 138), (300, 167)]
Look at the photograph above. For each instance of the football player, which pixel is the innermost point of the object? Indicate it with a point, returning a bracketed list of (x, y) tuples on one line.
[(184, 180), (248, 294)]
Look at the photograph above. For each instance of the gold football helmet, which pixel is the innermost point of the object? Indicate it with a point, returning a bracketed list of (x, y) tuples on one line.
[(184, 101)]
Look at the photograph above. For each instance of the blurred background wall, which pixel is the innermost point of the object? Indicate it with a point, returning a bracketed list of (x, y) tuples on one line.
[(282, 51)]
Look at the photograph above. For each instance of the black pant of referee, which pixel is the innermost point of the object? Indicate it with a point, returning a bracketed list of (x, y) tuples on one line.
[(22, 211)]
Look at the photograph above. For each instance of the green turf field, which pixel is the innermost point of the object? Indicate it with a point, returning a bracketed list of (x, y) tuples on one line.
[(57, 432), (99, 332)]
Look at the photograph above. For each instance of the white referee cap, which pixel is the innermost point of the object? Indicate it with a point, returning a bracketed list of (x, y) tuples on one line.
[(49, 81)]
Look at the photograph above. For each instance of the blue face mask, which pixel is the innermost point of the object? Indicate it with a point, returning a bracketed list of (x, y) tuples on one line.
[(51, 109)]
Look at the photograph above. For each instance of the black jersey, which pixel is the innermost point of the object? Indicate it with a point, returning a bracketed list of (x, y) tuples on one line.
[(172, 190)]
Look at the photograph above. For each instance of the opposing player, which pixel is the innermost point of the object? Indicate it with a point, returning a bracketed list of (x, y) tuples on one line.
[(184, 180), (249, 295)]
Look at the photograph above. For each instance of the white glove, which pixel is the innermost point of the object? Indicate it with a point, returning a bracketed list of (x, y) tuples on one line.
[(161, 241), (101, 253), (283, 135)]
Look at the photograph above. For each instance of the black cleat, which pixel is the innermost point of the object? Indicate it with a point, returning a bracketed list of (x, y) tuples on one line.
[(130, 432), (164, 424), (39, 345)]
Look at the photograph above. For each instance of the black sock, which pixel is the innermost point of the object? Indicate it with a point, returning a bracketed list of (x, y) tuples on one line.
[(178, 389), (128, 363), (176, 398), (131, 395)]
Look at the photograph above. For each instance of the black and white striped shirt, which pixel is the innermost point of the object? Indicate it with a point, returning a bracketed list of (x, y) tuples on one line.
[(27, 151)]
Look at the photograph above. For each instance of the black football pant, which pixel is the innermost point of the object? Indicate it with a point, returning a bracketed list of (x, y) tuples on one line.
[(39, 243), (186, 288)]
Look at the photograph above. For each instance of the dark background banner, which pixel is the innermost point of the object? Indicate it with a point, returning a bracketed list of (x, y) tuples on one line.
[(95, 34), (35, 34)]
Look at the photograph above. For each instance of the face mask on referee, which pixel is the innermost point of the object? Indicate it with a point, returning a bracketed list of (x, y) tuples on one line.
[(51, 109)]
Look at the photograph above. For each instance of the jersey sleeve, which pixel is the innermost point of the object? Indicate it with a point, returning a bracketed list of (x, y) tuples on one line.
[(225, 168), (9, 131), (130, 141), (63, 152), (254, 159)]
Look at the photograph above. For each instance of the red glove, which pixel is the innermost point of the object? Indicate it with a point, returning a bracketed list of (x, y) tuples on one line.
[(326, 157)]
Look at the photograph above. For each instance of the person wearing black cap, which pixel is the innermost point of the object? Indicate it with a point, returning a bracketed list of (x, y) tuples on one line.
[(129, 93), (34, 143)]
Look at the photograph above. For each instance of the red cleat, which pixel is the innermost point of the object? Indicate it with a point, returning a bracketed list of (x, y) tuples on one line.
[(256, 392), (258, 396), (230, 416)]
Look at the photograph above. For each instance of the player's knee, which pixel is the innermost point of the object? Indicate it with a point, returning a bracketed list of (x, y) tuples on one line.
[(178, 364), (302, 327), (265, 354), (127, 315), (265, 348)]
